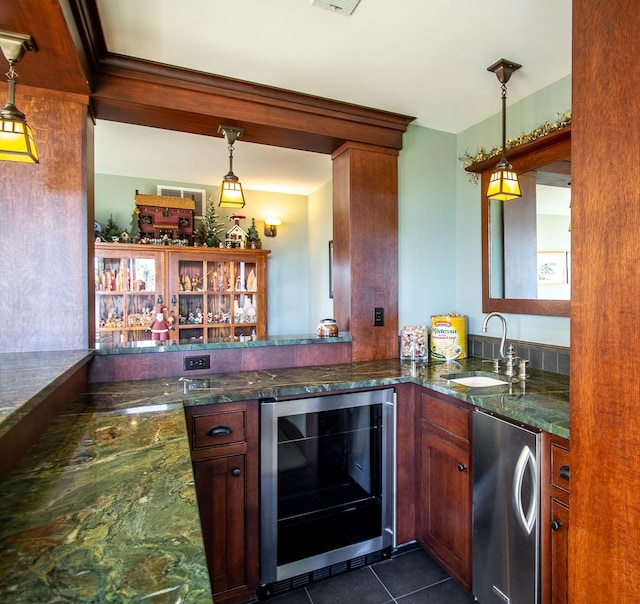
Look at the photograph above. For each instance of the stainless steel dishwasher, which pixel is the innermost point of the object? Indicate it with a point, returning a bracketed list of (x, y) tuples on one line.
[(506, 512)]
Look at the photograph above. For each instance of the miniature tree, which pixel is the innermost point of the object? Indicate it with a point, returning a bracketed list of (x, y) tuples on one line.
[(111, 229), (209, 227), (252, 234), (135, 227)]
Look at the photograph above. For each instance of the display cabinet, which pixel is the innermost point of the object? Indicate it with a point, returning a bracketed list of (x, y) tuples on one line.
[(209, 294), (129, 284), (218, 295)]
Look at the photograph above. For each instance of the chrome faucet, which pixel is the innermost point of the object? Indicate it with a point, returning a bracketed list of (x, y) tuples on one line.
[(510, 357), (504, 330)]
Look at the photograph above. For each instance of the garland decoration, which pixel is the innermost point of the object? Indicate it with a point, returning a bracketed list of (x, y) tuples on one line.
[(482, 154)]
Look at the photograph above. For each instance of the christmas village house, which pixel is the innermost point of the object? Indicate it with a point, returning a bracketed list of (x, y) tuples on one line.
[(163, 216)]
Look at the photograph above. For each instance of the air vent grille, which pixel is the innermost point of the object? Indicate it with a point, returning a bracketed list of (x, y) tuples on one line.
[(344, 7)]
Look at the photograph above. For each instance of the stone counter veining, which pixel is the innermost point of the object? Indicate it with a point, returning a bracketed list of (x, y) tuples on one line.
[(27, 378), (542, 401), (103, 508)]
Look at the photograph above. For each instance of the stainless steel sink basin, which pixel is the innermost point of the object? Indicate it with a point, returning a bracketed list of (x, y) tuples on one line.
[(476, 379)]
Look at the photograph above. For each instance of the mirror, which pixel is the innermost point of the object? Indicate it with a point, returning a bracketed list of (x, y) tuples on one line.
[(526, 242)]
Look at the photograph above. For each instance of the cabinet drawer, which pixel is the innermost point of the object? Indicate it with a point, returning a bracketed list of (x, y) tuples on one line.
[(559, 467), (450, 417), (219, 429)]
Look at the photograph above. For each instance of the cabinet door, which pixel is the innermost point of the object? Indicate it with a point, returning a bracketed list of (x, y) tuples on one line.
[(221, 498), (129, 287), (446, 505), (559, 552)]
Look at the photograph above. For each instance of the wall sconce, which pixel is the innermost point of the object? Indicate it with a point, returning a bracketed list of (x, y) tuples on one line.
[(231, 195), (503, 183), (271, 226), (16, 137)]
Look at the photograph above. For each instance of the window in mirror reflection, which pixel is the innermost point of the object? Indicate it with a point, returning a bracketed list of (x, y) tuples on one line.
[(531, 238)]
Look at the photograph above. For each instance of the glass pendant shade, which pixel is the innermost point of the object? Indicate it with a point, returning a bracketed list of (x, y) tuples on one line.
[(504, 184), (16, 141), (16, 137), (231, 195)]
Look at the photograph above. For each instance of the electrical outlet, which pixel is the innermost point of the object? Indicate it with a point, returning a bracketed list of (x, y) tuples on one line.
[(378, 317), (195, 384), (200, 362)]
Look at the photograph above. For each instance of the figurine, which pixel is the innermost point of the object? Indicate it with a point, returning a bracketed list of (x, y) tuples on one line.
[(160, 326)]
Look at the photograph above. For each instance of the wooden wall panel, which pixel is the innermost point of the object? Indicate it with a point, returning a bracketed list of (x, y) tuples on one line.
[(365, 232), (44, 262), (604, 546), (113, 368)]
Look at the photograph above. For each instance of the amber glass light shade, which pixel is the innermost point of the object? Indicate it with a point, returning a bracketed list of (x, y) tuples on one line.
[(16, 142), (231, 195), (504, 185)]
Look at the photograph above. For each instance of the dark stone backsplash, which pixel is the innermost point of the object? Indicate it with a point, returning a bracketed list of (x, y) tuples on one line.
[(541, 356)]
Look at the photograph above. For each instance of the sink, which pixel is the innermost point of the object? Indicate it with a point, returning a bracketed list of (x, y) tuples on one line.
[(476, 379)]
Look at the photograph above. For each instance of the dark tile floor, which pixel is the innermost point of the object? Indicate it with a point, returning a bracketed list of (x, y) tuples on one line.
[(407, 578)]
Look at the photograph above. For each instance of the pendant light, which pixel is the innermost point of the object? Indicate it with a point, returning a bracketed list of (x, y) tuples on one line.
[(503, 183), (231, 195), (16, 137)]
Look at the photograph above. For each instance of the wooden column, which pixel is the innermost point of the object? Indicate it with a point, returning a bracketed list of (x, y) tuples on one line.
[(604, 538), (44, 264), (365, 232)]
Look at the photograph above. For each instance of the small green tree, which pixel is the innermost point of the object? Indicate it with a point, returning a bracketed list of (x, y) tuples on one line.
[(111, 229), (135, 227), (210, 227), (252, 233)]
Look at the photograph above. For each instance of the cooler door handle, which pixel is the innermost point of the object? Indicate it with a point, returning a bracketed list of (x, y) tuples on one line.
[(525, 460)]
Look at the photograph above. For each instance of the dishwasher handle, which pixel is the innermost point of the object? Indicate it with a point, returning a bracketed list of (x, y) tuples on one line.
[(527, 519)]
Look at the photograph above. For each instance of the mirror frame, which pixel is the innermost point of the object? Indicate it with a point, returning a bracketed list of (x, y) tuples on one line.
[(542, 151)]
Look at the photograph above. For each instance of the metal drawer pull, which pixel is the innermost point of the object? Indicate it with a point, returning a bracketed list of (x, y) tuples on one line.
[(220, 430), (236, 472), (564, 472), (556, 525)]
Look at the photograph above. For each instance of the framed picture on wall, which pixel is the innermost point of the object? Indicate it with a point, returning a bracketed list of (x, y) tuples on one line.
[(552, 268)]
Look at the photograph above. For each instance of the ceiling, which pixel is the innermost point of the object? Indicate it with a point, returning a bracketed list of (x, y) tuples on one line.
[(423, 58)]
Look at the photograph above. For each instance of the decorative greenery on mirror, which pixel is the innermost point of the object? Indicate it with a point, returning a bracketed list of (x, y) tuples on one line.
[(526, 243)]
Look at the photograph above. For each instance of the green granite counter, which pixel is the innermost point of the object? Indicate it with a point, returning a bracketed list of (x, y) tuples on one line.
[(27, 378), (103, 507), (150, 346), (541, 401)]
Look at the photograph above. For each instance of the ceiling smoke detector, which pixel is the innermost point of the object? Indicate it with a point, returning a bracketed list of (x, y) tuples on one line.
[(344, 7)]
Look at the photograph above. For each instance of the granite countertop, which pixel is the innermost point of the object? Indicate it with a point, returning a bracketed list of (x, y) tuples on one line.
[(542, 401), (27, 378), (103, 507), (105, 502)]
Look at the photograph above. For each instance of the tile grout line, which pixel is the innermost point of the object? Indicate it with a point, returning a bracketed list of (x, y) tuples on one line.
[(383, 585)]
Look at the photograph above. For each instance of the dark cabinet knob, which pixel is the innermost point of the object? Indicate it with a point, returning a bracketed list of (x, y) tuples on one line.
[(461, 467), (219, 430), (556, 525), (236, 472), (564, 472)]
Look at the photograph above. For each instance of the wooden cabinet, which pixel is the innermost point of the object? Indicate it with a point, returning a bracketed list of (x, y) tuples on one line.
[(555, 519), (210, 294), (129, 283), (445, 530), (224, 451), (219, 296)]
